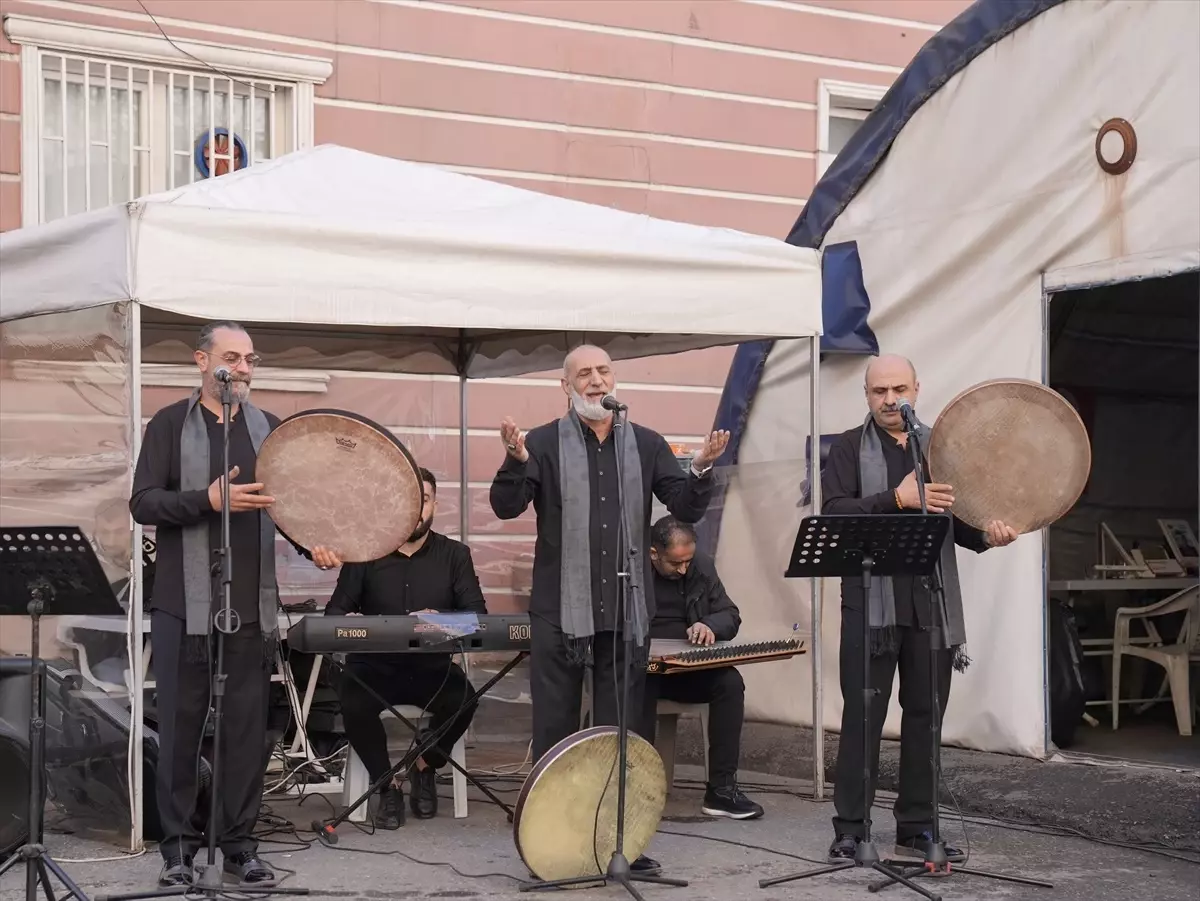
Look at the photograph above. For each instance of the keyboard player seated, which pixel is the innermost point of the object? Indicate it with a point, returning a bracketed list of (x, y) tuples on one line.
[(691, 603), (428, 573)]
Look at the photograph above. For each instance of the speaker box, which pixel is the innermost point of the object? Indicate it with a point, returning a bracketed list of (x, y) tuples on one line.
[(87, 754)]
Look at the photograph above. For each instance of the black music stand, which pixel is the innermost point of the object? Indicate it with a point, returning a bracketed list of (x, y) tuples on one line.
[(619, 870), (47, 570), (865, 546), (936, 863)]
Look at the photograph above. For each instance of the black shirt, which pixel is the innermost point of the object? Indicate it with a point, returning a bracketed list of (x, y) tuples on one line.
[(517, 484), (158, 501), (841, 493), (699, 597), (670, 614), (438, 576)]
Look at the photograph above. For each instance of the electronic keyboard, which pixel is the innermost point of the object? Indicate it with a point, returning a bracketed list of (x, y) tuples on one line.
[(418, 633)]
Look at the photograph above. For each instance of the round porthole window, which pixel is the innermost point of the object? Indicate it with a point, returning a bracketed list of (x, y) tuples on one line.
[(1116, 146)]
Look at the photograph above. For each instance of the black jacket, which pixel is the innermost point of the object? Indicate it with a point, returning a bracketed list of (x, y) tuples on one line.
[(517, 485), (705, 598)]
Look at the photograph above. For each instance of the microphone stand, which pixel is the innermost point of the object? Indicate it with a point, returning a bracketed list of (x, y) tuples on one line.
[(209, 882), (619, 870), (936, 863)]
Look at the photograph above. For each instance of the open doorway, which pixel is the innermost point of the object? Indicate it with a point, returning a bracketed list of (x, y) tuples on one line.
[(1126, 356)]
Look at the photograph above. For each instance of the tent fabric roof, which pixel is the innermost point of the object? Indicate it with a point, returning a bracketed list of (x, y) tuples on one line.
[(943, 56), (947, 53), (490, 279)]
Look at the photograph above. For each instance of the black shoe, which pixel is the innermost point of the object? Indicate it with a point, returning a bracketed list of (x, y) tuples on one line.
[(176, 870), (729, 801), (844, 847), (917, 847), (424, 797), (390, 813), (249, 870), (646, 866)]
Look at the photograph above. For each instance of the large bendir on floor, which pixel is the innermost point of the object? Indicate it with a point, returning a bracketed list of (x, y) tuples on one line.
[(996, 172)]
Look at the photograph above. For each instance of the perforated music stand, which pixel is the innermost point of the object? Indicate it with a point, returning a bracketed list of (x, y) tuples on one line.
[(47, 570), (862, 547)]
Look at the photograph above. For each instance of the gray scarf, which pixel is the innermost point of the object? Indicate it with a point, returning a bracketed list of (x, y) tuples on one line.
[(576, 577), (198, 560), (950, 629)]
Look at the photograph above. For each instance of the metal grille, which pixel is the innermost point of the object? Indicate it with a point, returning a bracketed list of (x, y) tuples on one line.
[(113, 131)]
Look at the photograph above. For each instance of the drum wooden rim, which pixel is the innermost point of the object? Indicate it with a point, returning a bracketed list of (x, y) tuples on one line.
[(547, 764), (1070, 465), (397, 531)]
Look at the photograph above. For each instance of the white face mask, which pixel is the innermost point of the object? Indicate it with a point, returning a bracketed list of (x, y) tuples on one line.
[(585, 409)]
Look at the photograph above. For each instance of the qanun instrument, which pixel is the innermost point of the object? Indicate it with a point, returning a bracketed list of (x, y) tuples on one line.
[(340, 481), (667, 658), (565, 821), (424, 633), (1012, 450)]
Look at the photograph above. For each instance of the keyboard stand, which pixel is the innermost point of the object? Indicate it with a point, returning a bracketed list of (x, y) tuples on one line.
[(326, 831)]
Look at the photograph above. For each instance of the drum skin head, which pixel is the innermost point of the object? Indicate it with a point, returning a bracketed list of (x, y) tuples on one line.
[(555, 824), (342, 482), (1012, 450)]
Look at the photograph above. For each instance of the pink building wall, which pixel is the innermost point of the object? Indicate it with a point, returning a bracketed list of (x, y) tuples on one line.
[(702, 112)]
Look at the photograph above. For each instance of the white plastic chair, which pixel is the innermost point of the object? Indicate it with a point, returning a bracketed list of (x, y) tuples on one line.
[(355, 780), (1174, 658)]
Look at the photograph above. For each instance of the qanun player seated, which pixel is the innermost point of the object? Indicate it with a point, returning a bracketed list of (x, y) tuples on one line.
[(692, 604), (429, 573)]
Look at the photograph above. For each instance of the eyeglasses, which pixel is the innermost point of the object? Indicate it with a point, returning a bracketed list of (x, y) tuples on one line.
[(233, 358)]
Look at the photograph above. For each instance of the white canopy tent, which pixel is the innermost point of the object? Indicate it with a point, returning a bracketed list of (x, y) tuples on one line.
[(376, 264), (974, 192)]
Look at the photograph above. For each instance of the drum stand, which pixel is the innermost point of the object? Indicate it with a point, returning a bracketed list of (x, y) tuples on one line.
[(618, 865), (936, 863)]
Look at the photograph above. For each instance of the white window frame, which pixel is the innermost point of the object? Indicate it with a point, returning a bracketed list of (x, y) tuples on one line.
[(845, 100), (34, 35)]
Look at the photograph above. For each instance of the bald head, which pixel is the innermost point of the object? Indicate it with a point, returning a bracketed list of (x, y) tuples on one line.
[(587, 377), (889, 378)]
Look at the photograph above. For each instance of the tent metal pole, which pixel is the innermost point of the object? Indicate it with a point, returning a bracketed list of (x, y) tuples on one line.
[(136, 636), (814, 489), (464, 494)]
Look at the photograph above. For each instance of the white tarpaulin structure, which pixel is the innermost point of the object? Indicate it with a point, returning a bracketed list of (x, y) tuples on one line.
[(971, 193), (360, 262), (483, 279)]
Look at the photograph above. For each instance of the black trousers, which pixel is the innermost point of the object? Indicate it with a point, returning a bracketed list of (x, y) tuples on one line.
[(556, 684), (183, 702), (725, 694), (432, 682), (914, 805)]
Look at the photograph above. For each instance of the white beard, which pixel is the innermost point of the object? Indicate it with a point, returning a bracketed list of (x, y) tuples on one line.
[(240, 393), (585, 409)]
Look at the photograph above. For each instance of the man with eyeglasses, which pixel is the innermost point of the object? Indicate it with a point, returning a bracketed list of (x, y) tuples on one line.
[(177, 488)]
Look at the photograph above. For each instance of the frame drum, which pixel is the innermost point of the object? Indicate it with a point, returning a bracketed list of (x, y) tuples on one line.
[(342, 482), (565, 822), (1012, 450)]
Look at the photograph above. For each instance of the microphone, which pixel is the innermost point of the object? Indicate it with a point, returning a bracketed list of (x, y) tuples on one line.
[(907, 413), (223, 374), (611, 403)]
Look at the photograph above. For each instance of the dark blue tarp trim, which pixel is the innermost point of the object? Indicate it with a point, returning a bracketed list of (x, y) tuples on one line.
[(844, 302), (944, 55), (947, 53)]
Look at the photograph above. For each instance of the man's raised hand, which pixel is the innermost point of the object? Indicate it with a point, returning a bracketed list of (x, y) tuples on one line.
[(514, 440), (242, 498)]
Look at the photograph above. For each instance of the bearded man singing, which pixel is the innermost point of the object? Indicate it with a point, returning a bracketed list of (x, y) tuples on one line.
[(574, 471)]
